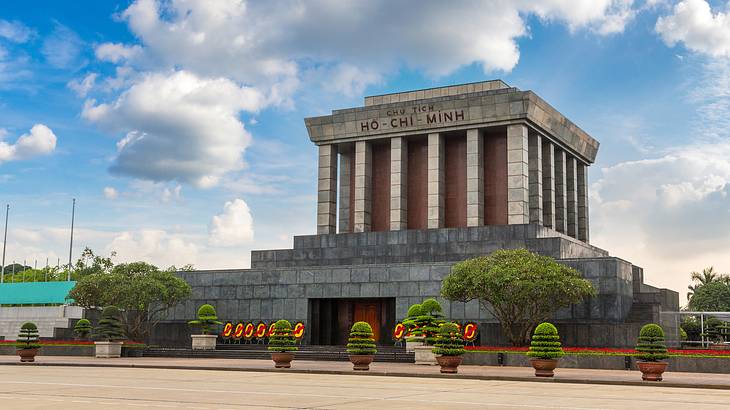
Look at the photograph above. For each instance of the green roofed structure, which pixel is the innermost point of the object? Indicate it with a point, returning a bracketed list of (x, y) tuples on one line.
[(36, 293)]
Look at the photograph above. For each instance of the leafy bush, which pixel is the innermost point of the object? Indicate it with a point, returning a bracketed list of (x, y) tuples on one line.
[(82, 329), (28, 336), (545, 343), (361, 339), (206, 318), (449, 341), (282, 340), (423, 321), (692, 327), (110, 326), (651, 345)]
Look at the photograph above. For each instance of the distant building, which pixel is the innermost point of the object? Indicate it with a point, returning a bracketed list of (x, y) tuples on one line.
[(413, 182)]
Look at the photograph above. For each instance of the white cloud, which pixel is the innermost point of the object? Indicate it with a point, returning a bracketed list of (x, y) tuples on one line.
[(15, 31), (178, 126), (155, 246), (62, 48), (694, 24), (110, 193), (233, 227), (81, 88), (669, 214), (39, 141), (116, 52)]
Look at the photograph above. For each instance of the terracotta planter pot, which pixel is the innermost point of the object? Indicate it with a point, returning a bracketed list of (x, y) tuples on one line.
[(651, 371), (449, 364), (282, 360), (544, 367), (361, 361), (27, 355)]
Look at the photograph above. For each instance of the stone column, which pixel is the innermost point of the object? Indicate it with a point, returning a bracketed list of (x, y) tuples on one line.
[(327, 190), (435, 181), (363, 175), (347, 158), (548, 184), (561, 196), (572, 191), (583, 230), (535, 167), (474, 178), (517, 175), (398, 183)]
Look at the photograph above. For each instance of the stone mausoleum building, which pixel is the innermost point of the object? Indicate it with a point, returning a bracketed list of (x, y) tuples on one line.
[(411, 183)]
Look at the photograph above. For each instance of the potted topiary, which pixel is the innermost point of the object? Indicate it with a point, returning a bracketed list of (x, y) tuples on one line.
[(361, 346), (27, 343), (206, 318), (427, 325), (651, 350), (282, 344), (414, 336), (82, 329), (449, 347), (545, 350), (109, 333)]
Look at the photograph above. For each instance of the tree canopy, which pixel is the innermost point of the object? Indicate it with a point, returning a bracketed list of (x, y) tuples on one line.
[(142, 291), (711, 297), (520, 288)]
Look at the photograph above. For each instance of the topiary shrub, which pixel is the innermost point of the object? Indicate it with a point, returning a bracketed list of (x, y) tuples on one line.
[(651, 345), (206, 318), (361, 341), (282, 340), (28, 336), (431, 307), (423, 321), (110, 326), (449, 341), (82, 329), (545, 343)]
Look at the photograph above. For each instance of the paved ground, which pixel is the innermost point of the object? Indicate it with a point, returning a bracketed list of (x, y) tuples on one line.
[(58, 387), (622, 377)]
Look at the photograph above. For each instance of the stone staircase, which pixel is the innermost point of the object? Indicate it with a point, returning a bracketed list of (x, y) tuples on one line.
[(49, 319)]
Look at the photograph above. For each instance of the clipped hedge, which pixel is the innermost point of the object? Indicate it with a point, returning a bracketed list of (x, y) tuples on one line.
[(82, 328), (651, 345), (110, 326), (545, 343), (449, 341), (28, 337), (282, 340), (361, 341), (207, 318)]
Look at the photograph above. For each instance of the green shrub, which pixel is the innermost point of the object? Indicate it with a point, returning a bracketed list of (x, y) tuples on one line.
[(431, 307), (282, 340), (545, 343), (449, 341), (651, 346), (361, 339), (110, 326), (82, 329), (415, 310), (423, 321), (692, 327), (206, 318), (28, 336)]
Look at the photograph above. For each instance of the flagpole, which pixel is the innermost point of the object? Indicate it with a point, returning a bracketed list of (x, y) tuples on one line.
[(5, 242), (71, 244)]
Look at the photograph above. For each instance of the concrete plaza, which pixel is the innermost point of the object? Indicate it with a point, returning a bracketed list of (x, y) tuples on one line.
[(60, 387)]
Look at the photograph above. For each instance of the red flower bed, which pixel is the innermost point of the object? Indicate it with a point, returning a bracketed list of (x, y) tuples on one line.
[(601, 351)]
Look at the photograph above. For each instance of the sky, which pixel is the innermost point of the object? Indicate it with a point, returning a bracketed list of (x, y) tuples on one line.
[(178, 125)]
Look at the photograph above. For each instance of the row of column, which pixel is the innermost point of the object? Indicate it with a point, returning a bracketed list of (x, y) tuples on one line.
[(545, 184)]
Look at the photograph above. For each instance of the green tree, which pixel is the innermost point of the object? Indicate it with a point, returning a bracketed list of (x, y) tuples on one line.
[(143, 292), (711, 297), (520, 288), (707, 275)]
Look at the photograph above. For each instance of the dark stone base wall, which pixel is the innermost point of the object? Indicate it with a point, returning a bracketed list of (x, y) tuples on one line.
[(281, 282)]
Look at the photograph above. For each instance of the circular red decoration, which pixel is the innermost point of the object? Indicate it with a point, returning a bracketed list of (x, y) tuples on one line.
[(398, 331), (238, 332), (271, 329), (298, 330), (261, 330), (470, 331), (248, 331), (227, 330)]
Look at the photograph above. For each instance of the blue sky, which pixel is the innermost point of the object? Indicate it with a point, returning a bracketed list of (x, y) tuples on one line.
[(178, 125)]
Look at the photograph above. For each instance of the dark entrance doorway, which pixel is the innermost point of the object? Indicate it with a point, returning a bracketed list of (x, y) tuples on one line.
[(330, 319)]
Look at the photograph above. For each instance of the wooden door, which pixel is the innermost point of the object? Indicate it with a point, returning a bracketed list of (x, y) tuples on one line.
[(369, 312)]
